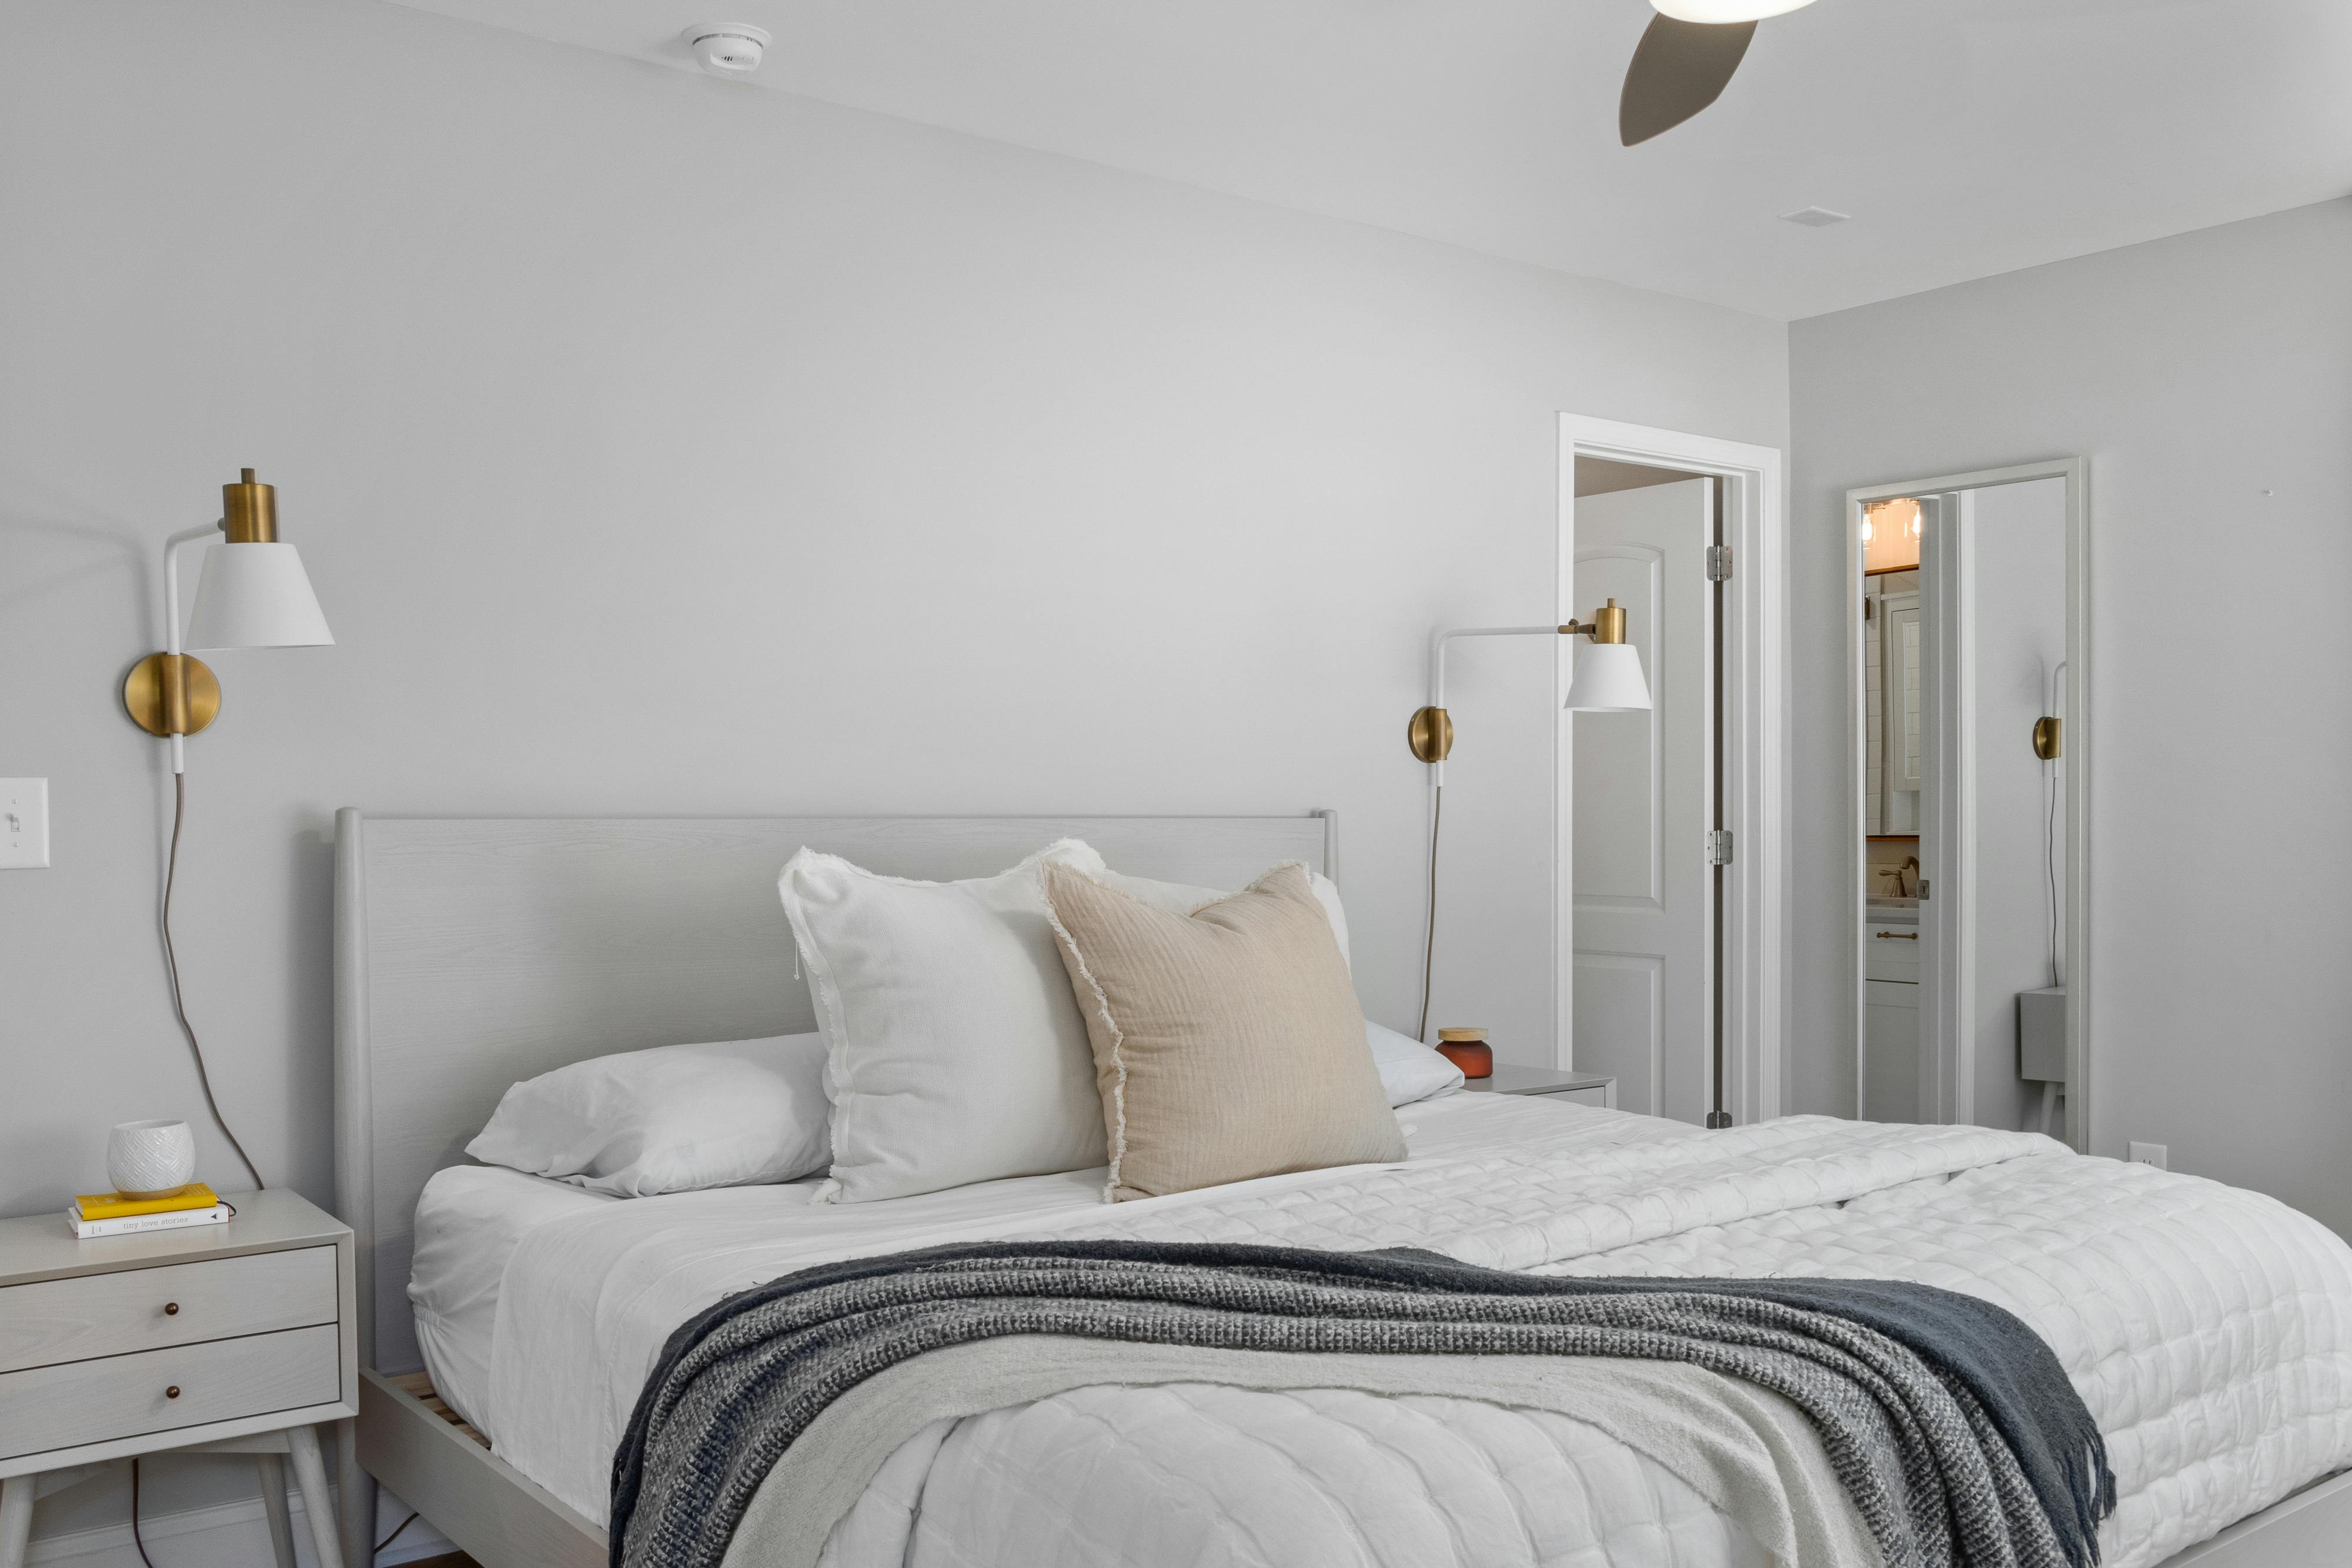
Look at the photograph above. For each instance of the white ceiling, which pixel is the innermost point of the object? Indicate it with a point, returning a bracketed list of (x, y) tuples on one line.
[(1966, 137)]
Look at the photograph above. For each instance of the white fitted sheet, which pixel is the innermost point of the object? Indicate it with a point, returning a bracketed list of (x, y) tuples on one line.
[(469, 1220)]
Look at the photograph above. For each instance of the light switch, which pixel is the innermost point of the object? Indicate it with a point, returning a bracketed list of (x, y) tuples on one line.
[(24, 823)]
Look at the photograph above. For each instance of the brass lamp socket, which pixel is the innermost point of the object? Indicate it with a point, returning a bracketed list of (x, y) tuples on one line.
[(2049, 738), (1430, 733), (172, 694), (1608, 623), (249, 511)]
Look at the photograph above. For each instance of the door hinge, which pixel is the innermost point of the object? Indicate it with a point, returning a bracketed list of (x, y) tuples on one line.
[(1719, 564), (1718, 846), (1923, 890)]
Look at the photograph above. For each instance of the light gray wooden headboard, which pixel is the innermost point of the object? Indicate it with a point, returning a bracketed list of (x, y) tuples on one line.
[(471, 954)]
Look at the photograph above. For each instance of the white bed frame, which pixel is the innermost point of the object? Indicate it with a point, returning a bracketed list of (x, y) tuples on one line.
[(473, 952)]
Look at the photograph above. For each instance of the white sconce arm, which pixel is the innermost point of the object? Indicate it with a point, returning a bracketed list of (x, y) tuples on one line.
[(172, 632)]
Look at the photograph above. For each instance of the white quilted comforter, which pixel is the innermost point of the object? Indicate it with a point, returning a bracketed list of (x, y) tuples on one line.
[(2209, 1331)]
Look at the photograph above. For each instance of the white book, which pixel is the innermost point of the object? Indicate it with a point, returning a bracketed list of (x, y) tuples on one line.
[(132, 1224)]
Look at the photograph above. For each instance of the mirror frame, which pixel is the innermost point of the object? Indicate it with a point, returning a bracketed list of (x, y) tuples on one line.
[(2075, 471)]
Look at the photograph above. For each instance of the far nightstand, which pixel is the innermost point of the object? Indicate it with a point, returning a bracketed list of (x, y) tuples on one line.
[(1581, 1088), (236, 1338)]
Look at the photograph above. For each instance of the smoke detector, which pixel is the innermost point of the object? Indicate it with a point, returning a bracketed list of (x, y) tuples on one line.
[(727, 49)]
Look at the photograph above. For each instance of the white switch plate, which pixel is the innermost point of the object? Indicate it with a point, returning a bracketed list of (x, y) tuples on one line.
[(2150, 1155), (24, 823)]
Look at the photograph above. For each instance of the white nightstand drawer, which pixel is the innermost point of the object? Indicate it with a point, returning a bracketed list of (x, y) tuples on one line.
[(1597, 1098), (181, 1303), (157, 1390)]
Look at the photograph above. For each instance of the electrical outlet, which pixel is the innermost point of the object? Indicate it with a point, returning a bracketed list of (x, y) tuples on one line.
[(24, 823), (2150, 1155)]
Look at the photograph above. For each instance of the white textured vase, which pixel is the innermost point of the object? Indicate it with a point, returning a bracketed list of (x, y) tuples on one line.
[(146, 1159)]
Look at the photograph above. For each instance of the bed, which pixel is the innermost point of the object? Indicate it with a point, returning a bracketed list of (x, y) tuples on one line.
[(2209, 1331)]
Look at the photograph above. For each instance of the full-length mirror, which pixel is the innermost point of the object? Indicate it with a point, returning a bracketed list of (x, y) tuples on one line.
[(1969, 851)]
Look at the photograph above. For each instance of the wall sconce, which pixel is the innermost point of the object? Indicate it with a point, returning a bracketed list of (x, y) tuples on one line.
[(1607, 679), (253, 593)]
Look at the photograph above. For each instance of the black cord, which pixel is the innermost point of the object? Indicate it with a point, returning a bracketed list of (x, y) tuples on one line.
[(179, 1004), (135, 1538), (1429, 950), (397, 1529)]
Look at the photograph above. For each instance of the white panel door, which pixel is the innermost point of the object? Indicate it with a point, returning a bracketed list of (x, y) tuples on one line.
[(1644, 783)]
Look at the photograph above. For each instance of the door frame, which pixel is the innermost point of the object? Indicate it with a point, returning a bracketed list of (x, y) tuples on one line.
[(1954, 1055), (1754, 692)]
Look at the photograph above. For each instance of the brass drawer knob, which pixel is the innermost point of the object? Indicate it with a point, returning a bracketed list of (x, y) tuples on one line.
[(172, 1392), (170, 1309)]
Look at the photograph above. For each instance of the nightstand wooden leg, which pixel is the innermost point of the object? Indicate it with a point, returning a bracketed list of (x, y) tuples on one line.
[(357, 1490), (15, 1518), (318, 1505), (273, 1506)]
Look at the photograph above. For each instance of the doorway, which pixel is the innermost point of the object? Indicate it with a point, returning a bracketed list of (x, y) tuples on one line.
[(1670, 840), (1648, 792), (1971, 741)]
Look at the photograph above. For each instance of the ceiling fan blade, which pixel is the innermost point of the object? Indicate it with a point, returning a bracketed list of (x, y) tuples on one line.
[(1679, 68)]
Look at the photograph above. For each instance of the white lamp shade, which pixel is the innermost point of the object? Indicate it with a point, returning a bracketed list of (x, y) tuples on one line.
[(256, 596), (1608, 679)]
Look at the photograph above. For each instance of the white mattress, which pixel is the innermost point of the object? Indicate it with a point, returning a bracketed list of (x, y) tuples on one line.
[(471, 1218), (2209, 1331)]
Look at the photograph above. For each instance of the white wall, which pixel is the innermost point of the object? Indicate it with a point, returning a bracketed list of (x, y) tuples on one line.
[(2207, 378), (659, 444)]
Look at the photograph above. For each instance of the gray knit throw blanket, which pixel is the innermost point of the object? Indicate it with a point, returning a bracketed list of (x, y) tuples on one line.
[(1949, 1421)]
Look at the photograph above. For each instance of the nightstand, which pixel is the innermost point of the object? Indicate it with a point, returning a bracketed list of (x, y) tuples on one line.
[(1581, 1088), (236, 1338)]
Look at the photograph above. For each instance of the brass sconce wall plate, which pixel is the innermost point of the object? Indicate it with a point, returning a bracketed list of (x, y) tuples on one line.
[(2048, 738), (1430, 733), (171, 693)]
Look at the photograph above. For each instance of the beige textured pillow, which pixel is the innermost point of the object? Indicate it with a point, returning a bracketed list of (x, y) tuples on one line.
[(1228, 1043)]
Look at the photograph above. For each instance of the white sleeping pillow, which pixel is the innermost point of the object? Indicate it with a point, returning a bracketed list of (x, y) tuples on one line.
[(1180, 898), (955, 1048), (1410, 1071), (675, 1118)]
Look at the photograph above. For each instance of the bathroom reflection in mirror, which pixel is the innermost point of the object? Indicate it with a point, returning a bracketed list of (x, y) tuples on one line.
[(1964, 633)]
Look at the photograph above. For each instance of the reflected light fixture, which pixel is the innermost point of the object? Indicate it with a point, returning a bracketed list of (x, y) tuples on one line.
[(1607, 678), (253, 593)]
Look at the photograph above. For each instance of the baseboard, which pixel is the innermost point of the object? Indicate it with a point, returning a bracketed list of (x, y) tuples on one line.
[(223, 1535)]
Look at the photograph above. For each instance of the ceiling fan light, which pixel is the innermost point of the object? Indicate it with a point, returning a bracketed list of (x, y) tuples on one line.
[(1718, 12)]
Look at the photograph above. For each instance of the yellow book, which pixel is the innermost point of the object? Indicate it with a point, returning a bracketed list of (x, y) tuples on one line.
[(114, 1206)]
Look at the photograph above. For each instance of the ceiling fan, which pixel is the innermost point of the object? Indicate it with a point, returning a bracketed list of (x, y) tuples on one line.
[(1686, 59)]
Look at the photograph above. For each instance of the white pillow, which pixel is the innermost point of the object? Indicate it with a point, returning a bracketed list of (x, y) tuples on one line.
[(677, 1118), (1178, 898), (955, 1048), (1410, 1071)]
